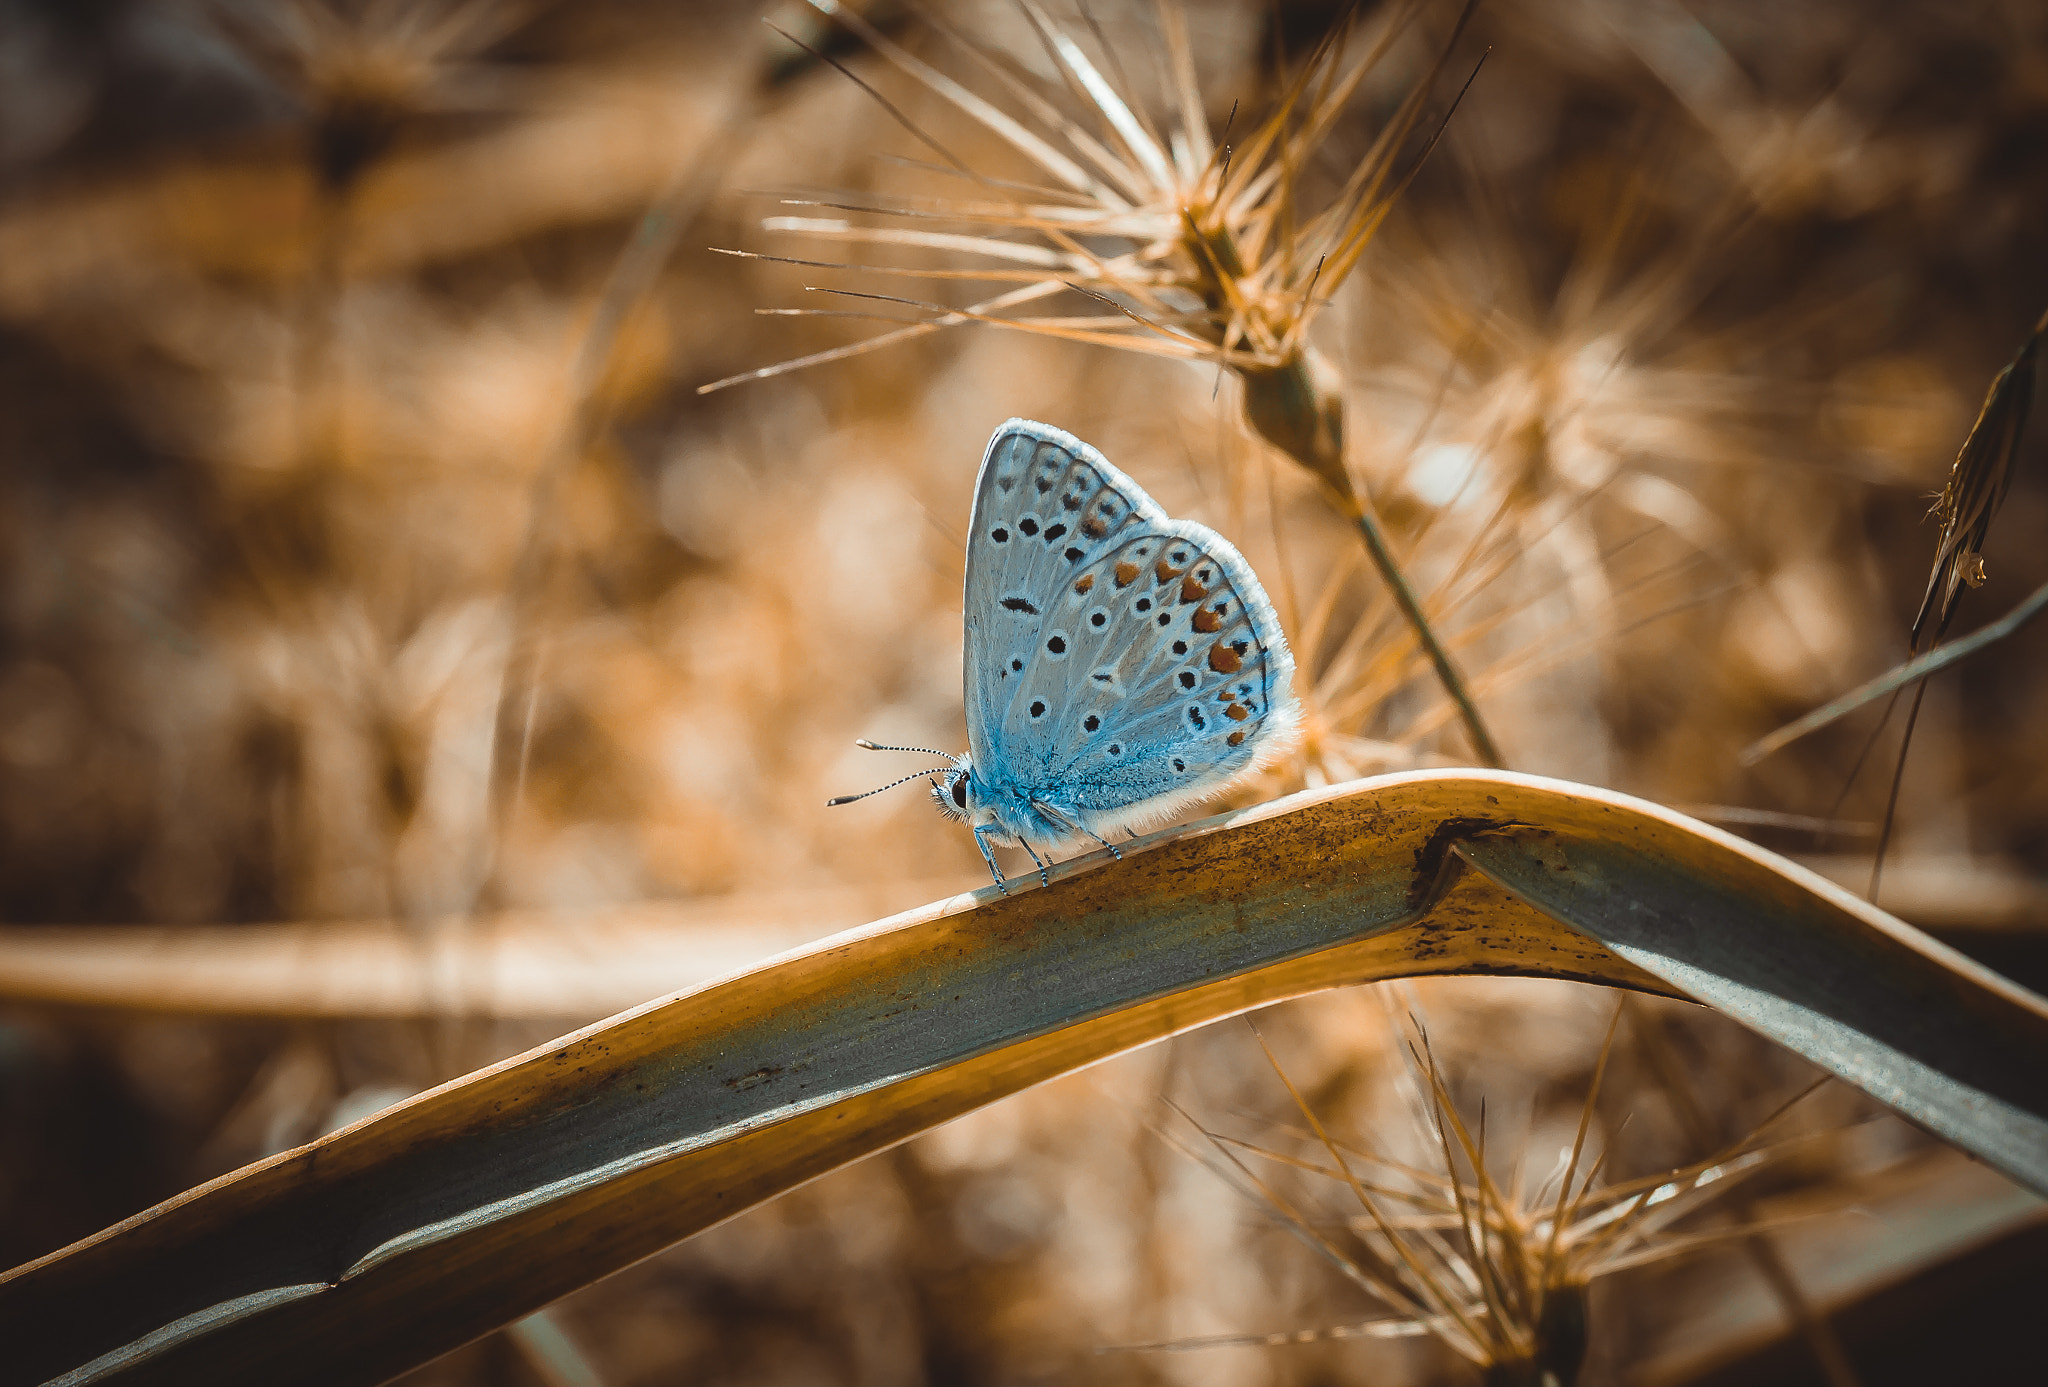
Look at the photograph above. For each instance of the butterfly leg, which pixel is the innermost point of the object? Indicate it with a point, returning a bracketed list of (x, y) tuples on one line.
[(1044, 873), (990, 858), (1069, 821), (1114, 850)]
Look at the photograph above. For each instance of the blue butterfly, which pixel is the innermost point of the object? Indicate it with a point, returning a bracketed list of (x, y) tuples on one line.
[(1121, 665)]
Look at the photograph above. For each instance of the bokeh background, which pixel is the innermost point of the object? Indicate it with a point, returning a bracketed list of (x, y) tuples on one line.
[(402, 660)]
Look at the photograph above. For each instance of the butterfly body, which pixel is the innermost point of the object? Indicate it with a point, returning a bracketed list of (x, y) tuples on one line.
[(1120, 664)]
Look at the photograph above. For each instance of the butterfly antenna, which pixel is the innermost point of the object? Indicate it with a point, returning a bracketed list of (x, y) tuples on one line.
[(848, 799), (866, 745)]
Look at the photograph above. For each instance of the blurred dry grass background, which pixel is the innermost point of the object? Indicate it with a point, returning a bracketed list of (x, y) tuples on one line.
[(370, 554)]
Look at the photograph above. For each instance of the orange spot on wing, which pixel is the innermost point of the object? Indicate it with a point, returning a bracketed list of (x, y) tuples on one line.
[(1223, 659), (1166, 571), (1093, 527), (1237, 712), (1206, 620), (1236, 738), (1086, 581), (1126, 574), (1192, 591)]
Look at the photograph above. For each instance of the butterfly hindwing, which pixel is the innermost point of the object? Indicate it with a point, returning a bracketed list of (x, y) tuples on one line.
[(1200, 678), (1124, 665)]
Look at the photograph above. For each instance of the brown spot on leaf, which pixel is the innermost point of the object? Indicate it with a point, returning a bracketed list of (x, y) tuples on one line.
[(1223, 659), (1085, 582), (1126, 574)]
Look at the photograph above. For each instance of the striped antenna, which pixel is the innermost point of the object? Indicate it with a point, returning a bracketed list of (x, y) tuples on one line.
[(866, 745), (848, 799)]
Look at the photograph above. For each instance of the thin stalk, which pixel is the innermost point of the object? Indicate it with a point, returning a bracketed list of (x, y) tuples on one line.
[(1891, 804), (1299, 410), (632, 276), (1425, 635)]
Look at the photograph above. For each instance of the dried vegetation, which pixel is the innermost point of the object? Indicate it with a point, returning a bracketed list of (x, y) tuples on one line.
[(370, 552)]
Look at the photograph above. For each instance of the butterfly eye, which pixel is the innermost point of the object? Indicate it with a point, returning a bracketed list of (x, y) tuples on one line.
[(960, 790)]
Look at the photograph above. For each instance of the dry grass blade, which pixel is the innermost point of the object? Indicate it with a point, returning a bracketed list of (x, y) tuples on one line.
[(1367, 1329), (472, 1204), (1976, 487), (1969, 501), (1899, 677)]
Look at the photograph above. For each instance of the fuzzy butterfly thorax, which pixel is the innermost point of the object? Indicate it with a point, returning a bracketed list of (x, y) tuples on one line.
[(1120, 665)]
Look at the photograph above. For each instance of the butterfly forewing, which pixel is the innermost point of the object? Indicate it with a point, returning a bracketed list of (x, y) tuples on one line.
[(1044, 505), (1115, 658)]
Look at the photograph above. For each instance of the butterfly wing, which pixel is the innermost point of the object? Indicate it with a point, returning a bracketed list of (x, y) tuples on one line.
[(1045, 504), (1120, 664)]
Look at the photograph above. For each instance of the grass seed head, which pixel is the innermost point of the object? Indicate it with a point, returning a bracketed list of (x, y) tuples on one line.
[(1976, 487), (364, 70), (1495, 1268), (1186, 242)]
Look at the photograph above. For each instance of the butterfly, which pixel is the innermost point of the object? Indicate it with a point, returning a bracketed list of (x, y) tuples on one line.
[(1120, 664)]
